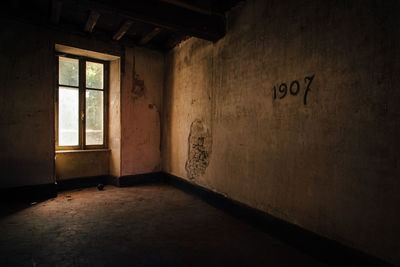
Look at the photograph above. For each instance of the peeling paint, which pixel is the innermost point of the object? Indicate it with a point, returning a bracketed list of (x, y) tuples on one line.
[(200, 147), (139, 88)]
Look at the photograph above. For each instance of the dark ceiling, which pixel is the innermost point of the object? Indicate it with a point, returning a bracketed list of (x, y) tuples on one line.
[(156, 24)]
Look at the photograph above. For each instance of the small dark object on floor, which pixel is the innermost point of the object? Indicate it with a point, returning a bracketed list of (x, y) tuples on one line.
[(100, 186)]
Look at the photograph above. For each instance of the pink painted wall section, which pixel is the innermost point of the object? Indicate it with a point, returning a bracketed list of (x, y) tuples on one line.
[(114, 133), (142, 85)]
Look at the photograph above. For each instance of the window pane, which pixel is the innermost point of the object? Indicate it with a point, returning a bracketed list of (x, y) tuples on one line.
[(68, 117), (94, 117), (94, 75), (68, 71)]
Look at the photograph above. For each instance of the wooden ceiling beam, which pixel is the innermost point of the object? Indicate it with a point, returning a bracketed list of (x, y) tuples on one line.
[(148, 37), (161, 15), (91, 21), (124, 28)]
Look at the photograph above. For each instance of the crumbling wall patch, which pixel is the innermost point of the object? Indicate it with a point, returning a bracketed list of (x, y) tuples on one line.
[(139, 89), (200, 148)]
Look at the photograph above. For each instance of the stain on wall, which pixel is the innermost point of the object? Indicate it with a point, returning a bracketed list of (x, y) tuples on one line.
[(139, 88), (200, 147)]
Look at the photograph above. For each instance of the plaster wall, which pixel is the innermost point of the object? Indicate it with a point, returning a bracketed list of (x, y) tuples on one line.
[(330, 165), (114, 130), (78, 164), (26, 105), (142, 85)]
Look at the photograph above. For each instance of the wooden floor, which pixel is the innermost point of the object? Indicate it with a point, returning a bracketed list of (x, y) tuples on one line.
[(148, 225)]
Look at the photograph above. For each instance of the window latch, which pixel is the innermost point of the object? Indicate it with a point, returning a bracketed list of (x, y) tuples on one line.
[(82, 116)]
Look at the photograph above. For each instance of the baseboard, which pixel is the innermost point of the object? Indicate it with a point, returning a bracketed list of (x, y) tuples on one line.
[(81, 182), (329, 251), (112, 180), (28, 193), (146, 178)]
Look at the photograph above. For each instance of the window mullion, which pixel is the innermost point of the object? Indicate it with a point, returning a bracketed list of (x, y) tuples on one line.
[(82, 115)]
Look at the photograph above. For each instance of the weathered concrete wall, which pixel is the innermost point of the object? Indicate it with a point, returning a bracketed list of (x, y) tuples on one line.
[(71, 165), (142, 85), (26, 105), (329, 161)]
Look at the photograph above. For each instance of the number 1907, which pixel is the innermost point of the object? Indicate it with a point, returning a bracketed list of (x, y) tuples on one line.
[(294, 89)]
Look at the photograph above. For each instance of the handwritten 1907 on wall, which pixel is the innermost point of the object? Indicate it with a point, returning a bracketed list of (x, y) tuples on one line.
[(294, 89)]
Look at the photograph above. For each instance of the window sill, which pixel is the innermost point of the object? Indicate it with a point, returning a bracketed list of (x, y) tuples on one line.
[(83, 150)]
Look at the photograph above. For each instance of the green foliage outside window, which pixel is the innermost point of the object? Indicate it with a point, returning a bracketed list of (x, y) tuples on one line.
[(94, 75), (68, 71)]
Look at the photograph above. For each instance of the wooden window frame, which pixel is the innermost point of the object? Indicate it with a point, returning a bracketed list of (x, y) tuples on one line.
[(82, 102)]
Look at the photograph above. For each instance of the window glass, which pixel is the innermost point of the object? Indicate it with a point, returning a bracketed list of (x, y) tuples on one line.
[(71, 88), (68, 71), (68, 116), (94, 75), (94, 117)]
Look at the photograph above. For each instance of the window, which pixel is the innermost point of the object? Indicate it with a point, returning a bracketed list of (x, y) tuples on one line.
[(81, 103)]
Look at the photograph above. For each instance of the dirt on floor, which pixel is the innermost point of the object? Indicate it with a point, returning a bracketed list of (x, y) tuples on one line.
[(149, 225)]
